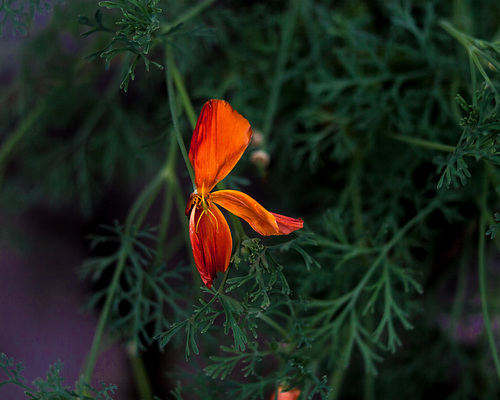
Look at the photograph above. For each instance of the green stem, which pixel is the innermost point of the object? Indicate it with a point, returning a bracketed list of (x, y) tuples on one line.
[(143, 383), (424, 143), (138, 212), (460, 291), (173, 112), (186, 101), (134, 220), (359, 229), (142, 204), (169, 200), (476, 56), (461, 37), (388, 247), (273, 324), (483, 279), (192, 12), (286, 40), (101, 325), (369, 386), (10, 145), (220, 290)]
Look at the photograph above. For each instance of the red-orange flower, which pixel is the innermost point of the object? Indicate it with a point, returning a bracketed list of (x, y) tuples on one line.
[(292, 394), (219, 139)]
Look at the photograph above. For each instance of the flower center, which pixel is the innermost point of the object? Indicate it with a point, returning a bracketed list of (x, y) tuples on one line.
[(203, 202)]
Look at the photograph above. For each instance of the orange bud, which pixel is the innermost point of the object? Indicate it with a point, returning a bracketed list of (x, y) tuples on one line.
[(292, 394)]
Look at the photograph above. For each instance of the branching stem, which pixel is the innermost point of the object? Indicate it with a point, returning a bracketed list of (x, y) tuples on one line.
[(134, 220)]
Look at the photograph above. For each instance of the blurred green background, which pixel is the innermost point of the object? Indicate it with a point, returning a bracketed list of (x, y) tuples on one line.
[(394, 175)]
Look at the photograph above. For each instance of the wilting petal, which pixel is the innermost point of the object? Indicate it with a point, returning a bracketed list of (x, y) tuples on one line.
[(287, 225), (211, 242), (219, 139), (243, 206), (191, 202)]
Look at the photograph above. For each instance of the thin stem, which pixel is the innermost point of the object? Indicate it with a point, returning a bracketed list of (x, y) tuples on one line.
[(273, 324), (13, 381), (168, 201), (388, 247), (460, 291), (137, 212), (424, 143), (278, 79), (13, 141), (173, 112), (134, 219), (359, 228), (143, 383), (475, 53), (464, 39), (192, 12), (186, 101), (101, 325), (220, 290), (483, 279)]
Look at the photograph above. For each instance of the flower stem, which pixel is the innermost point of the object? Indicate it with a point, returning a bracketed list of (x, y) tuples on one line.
[(186, 101), (482, 277), (286, 40), (170, 187), (220, 290), (96, 343), (173, 111)]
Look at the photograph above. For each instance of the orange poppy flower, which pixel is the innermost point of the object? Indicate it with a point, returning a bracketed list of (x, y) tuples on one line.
[(219, 139), (292, 394)]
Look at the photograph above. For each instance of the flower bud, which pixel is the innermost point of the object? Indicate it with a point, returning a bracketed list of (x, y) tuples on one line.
[(257, 139), (260, 158), (292, 394)]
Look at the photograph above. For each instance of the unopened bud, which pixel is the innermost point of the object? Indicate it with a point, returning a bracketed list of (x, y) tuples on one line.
[(257, 139), (292, 394), (260, 158)]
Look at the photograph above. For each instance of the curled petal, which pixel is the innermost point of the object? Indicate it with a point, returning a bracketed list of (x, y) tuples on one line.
[(190, 204), (211, 242), (287, 225), (219, 139), (261, 220)]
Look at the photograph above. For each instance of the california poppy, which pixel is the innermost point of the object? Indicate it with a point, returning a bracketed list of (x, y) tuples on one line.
[(219, 139)]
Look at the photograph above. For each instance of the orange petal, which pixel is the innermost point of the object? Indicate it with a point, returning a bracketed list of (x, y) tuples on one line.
[(261, 220), (211, 242), (190, 204), (287, 225), (292, 394), (219, 139)]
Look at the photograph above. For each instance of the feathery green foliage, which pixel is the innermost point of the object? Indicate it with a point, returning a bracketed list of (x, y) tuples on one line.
[(52, 387), (381, 122), (20, 14)]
